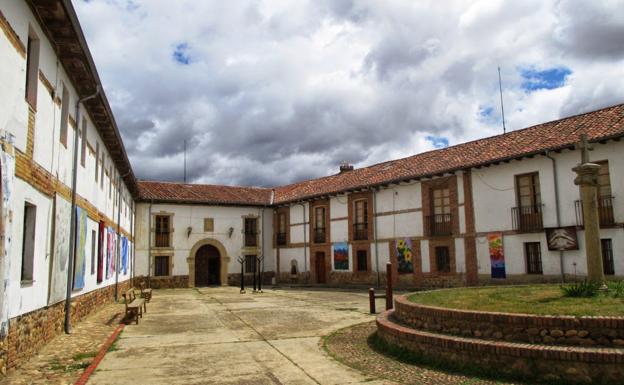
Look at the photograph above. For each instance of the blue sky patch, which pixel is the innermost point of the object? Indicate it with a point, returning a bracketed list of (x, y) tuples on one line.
[(486, 111), (181, 55), (533, 79), (438, 141)]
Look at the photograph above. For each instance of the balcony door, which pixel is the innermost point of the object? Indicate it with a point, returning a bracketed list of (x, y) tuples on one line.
[(529, 211), (441, 208)]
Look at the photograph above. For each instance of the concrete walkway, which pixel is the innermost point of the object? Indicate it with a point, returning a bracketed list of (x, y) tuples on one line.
[(218, 336)]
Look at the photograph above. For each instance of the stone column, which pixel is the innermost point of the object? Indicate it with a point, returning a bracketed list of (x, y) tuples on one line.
[(587, 178)]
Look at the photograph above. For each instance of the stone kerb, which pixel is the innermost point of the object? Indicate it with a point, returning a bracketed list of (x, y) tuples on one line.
[(526, 328), (546, 363)]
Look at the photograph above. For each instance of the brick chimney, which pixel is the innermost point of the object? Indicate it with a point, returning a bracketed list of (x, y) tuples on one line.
[(345, 167)]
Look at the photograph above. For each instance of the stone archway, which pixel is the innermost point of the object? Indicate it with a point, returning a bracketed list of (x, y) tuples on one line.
[(225, 260)]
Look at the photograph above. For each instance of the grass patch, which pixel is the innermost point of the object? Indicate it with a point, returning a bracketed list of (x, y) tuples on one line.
[(82, 356), (531, 299), (113, 347)]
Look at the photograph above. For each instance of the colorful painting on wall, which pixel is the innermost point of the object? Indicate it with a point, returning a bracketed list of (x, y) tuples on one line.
[(341, 256), (60, 257), (405, 257), (562, 238), (81, 243), (101, 244), (124, 255), (497, 257), (110, 252)]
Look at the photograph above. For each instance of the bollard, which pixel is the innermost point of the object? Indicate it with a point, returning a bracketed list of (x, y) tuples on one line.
[(388, 286), (371, 300)]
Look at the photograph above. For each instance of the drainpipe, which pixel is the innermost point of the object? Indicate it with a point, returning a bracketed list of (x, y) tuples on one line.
[(118, 234), (557, 209), (149, 242), (132, 232), (305, 238), (375, 237), (72, 228)]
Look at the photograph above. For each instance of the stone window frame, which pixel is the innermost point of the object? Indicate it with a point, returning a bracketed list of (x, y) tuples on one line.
[(161, 253), (153, 229), (245, 255)]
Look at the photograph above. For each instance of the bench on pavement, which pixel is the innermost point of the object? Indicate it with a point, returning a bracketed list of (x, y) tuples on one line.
[(146, 292), (134, 306)]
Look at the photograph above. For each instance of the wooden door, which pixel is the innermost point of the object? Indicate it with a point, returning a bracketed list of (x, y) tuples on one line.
[(206, 269), (320, 267)]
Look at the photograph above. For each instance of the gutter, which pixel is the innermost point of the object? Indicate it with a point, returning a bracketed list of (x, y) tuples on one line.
[(73, 224)]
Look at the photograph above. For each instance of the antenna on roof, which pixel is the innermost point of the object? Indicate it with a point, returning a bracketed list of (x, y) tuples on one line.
[(184, 160), (500, 88)]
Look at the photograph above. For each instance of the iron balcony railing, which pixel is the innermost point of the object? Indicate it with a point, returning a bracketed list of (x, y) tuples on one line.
[(319, 235), (605, 211), (161, 239), (360, 231), (527, 218), (438, 224), (281, 239)]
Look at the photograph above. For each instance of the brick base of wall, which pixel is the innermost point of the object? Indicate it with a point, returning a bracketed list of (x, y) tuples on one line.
[(29, 332), (536, 362)]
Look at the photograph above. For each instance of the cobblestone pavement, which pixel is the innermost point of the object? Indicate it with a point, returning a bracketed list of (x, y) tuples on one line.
[(350, 347), (63, 360)]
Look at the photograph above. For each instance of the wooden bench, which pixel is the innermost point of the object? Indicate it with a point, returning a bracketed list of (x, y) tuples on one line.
[(146, 292), (134, 306)]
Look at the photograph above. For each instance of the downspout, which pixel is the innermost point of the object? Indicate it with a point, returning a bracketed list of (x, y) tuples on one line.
[(132, 232), (149, 242), (72, 228), (375, 237), (305, 239), (118, 235), (557, 209)]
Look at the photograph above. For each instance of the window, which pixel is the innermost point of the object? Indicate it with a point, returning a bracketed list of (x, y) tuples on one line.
[(64, 115), (533, 253), (83, 138), (443, 259), (281, 229), (93, 249), (362, 260), (251, 231), (440, 221), (32, 69), (607, 256), (161, 265), (319, 225), (250, 263), (28, 241), (162, 230), (360, 223)]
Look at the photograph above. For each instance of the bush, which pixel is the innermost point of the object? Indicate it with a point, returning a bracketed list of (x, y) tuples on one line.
[(616, 288), (580, 289)]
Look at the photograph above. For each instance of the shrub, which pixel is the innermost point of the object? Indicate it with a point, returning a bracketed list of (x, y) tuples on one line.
[(616, 288), (580, 289)]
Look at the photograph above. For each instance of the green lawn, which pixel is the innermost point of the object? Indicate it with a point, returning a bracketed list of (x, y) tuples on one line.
[(534, 299)]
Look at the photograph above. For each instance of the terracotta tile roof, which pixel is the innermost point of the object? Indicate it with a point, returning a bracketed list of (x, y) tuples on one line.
[(203, 193), (598, 125)]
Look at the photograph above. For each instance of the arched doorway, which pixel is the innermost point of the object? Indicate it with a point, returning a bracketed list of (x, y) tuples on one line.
[(207, 266)]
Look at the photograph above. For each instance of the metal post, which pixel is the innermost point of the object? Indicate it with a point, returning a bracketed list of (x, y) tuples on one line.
[(254, 277), (388, 286), (260, 261), (371, 300), (241, 260)]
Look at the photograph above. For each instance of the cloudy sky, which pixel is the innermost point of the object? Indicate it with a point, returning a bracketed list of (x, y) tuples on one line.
[(269, 92)]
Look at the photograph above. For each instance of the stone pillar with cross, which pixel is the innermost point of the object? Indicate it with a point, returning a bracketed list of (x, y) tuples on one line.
[(587, 178)]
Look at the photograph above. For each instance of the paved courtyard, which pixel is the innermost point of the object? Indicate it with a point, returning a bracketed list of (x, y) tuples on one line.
[(218, 336)]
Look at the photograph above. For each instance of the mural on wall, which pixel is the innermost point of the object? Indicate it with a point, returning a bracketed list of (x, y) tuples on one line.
[(60, 257), (124, 254), (81, 242), (110, 252), (562, 238), (341, 256), (8, 178), (497, 257), (405, 258), (100, 252)]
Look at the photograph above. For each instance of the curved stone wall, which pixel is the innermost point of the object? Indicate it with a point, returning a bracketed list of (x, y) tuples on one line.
[(526, 328), (541, 363)]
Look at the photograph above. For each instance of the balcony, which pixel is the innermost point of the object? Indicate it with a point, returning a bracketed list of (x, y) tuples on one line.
[(161, 239), (319, 235), (527, 218), (251, 239), (438, 224), (360, 231), (605, 211), (281, 239)]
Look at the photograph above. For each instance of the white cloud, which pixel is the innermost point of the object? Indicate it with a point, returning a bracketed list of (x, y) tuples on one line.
[(276, 91)]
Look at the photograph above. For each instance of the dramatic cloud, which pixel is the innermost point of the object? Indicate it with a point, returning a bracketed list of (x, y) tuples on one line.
[(275, 91)]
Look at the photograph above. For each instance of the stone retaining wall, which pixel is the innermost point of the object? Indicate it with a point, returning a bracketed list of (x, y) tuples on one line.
[(537, 362), (555, 330), (29, 332), (168, 282)]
